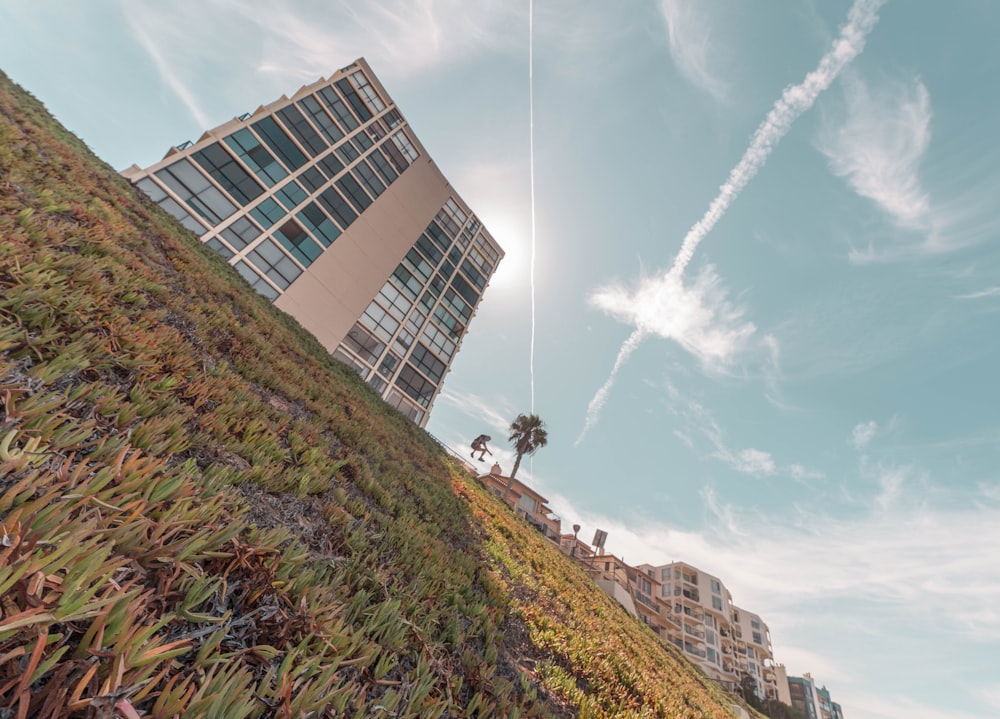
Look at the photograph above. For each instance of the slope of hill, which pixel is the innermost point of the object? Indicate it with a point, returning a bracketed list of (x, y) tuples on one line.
[(203, 515)]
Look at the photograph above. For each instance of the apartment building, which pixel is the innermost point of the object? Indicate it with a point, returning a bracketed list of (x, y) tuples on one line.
[(727, 642), (328, 205)]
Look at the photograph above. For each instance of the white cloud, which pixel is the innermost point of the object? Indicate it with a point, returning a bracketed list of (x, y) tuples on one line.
[(691, 47), (880, 146), (753, 461), (699, 317), (295, 43), (909, 556), (863, 434)]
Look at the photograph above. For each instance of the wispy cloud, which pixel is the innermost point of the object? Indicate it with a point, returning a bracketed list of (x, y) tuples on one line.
[(794, 101), (864, 432), (293, 43), (879, 147), (981, 294), (168, 71), (699, 421), (690, 34)]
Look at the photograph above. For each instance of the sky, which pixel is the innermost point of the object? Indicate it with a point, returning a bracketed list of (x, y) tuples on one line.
[(777, 219)]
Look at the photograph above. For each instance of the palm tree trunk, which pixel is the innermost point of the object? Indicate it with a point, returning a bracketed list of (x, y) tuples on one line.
[(513, 473)]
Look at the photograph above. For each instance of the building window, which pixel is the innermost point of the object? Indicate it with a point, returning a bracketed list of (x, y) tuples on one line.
[(416, 386), (330, 166), (383, 167), (327, 126), (716, 587), (161, 198), (402, 141), (364, 343), (367, 91), (194, 189), (256, 280), (278, 267), (302, 130), (757, 638), (280, 143), (319, 224), (256, 157), (267, 213), (337, 207), (291, 195), (298, 243), (225, 170), (717, 603), (353, 192), (240, 233), (359, 107), (369, 179), (379, 321), (337, 108)]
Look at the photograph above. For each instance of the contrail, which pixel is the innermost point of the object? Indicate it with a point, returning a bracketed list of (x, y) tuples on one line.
[(531, 159), (794, 101)]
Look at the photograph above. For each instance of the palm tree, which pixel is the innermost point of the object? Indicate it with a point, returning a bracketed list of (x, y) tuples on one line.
[(527, 433)]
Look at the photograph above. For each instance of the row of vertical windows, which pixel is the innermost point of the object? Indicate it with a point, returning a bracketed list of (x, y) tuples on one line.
[(367, 91), (281, 145), (347, 90)]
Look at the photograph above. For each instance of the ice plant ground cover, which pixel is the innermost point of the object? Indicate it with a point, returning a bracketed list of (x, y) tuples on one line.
[(203, 515)]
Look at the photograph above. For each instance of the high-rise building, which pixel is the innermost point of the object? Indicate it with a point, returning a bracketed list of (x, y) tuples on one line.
[(727, 642), (328, 205)]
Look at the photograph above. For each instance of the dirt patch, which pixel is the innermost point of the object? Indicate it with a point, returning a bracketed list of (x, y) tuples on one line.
[(305, 517)]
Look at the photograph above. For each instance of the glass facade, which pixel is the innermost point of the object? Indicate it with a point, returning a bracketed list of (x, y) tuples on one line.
[(273, 195)]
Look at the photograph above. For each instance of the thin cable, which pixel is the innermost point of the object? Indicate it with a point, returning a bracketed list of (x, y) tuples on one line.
[(531, 162)]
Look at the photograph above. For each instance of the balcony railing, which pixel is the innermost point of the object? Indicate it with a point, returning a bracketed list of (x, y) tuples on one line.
[(694, 631), (692, 649)]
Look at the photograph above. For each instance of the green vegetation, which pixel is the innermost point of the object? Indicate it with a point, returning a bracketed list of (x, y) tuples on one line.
[(203, 515)]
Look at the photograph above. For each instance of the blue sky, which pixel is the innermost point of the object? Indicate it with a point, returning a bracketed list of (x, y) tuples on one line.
[(811, 415)]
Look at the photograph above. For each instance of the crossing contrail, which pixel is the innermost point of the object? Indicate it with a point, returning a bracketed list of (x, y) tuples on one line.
[(794, 101), (531, 158)]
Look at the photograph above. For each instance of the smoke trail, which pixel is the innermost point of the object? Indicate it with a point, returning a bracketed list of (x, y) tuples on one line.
[(794, 101), (531, 160), (597, 403)]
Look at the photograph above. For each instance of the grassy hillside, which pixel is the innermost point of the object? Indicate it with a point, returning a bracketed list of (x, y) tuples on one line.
[(203, 515)]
